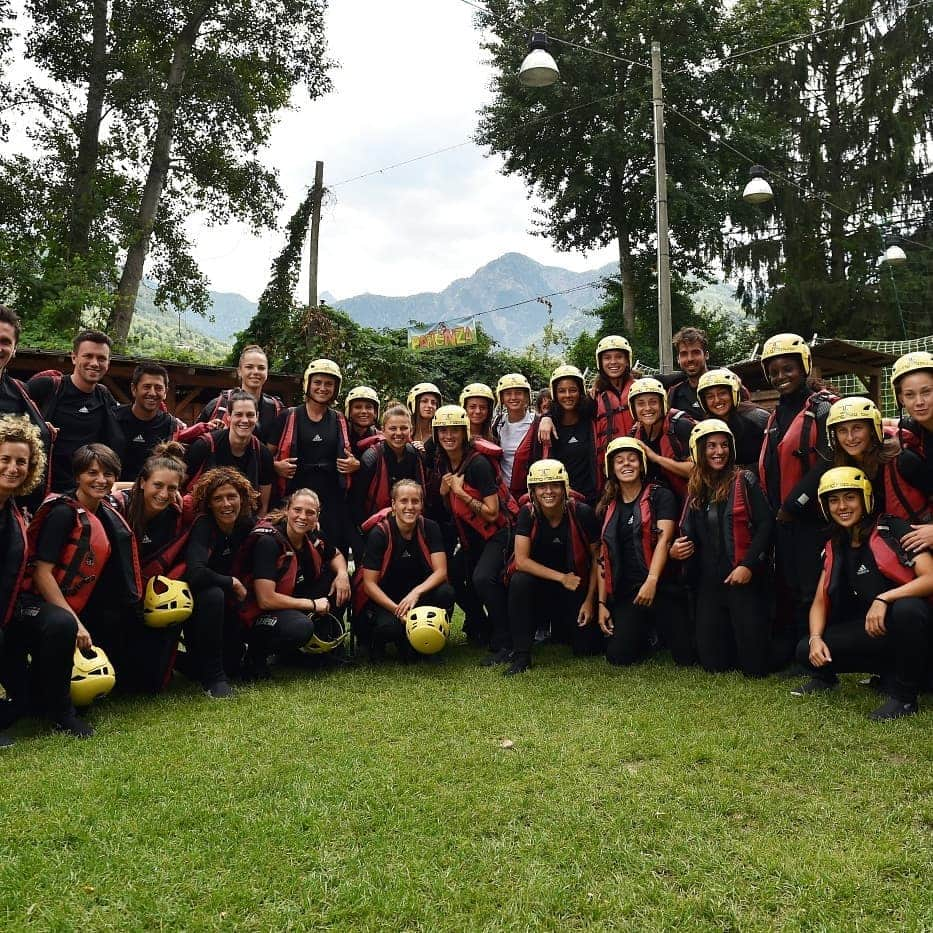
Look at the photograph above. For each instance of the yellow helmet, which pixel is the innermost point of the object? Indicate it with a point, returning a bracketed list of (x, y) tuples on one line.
[(566, 372), (450, 416), (839, 478), (626, 443), (703, 429), (909, 363), (612, 342), (427, 629), (548, 471), (854, 408), (512, 381), (92, 675), (477, 390), (167, 602), (719, 377), (786, 345), (328, 633), (323, 367), (648, 385), (422, 388), (361, 392)]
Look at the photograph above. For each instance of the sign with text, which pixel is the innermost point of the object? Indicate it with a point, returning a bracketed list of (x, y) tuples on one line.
[(442, 336)]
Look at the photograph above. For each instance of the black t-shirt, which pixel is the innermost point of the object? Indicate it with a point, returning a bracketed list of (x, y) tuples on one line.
[(318, 445), (574, 448), (684, 397), (665, 509), (79, 417), (210, 552), (13, 557), (681, 428), (407, 567), (409, 467), (159, 532), (551, 546), (11, 401), (266, 553), (141, 437), (256, 465)]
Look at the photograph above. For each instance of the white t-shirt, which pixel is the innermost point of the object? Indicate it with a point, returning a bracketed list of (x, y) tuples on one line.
[(511, 434)]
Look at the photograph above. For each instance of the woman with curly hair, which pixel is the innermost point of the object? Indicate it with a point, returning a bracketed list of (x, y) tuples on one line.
[(225, 504)]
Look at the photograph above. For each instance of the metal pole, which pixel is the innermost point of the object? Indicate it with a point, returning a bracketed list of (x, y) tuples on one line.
[(315, 233), (665, 349)]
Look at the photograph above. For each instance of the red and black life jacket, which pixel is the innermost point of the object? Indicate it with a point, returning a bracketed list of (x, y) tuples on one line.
[(381, 520), (92, 541), (529, 451), (15, 559), (359, 445), (612, 418), (671, 446), (736, 520), (891, 559), (578, 544), (289, 440), (795, 450), (209, 461), (902, 498), (169, 560), (379, 493), (286, 564), (645, 530), (464, 517)]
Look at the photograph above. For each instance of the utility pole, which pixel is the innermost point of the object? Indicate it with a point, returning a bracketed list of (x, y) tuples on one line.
[(665, 333), (315, 234)]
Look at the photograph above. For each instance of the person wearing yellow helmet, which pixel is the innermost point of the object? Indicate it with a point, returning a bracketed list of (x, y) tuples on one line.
[(478, 401), (514, 420), (637, 603), (719, 395), (361, 408), (423, 400), (726, 534), (871, 609)]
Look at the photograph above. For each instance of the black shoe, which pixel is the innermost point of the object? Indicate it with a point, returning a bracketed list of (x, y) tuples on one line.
[(873, 682), (256, 667), (813, 685), (892, 708), (6, 741), (543, 634), (520, 664), (502, 656), (218, 690), (72, 725)]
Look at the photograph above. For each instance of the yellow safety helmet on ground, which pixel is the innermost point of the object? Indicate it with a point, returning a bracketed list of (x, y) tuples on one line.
[(361, 392), (612, 342), (92, 675), (854, 408), (909, 363), (548, 471), (323, 367), (626, 443), (786, 345), (719, 377), (566, 372), (427, 629), (166, 602), (422, 388), (648, 385), (841, 478), (450, 416), (329, 633), (512, 381), (477, 390), (703, 429)]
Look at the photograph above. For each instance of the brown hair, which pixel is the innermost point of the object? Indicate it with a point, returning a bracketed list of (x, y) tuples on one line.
[(872, 460), (690, 335), (406, 482), (253, 348), (18, 429), (91, 336), (395, 409), (85, 456), (212, 480), (169, 455), (707, 486), (278, 515), (9, 316), (613, 488)]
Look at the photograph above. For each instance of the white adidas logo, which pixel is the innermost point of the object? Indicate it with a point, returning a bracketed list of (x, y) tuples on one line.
[(862, 570), (84, 410), (139, 439), (317, 437), (573, 440)]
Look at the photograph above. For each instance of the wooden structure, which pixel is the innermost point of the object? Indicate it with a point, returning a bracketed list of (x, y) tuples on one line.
[(190, 386)]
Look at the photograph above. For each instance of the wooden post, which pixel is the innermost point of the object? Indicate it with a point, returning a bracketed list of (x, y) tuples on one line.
[(315, 235)]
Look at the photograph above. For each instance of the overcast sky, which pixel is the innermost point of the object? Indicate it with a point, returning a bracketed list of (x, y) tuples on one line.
[(410, 81)]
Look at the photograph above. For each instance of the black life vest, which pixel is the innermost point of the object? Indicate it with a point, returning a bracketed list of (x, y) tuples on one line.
[(35, 416), (210, 460), (579, 555), (289, 440), (645, 532), (737, 518), (15, 559), (671, 446), (379, 493)]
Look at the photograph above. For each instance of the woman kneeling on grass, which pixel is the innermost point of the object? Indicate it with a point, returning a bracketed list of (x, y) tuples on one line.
[(405, 566), (554, 578), (636, 605), (870, 613)]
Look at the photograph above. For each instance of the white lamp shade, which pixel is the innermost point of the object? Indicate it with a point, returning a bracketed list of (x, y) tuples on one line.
[(538, 69), (895, 256), (757, 191)]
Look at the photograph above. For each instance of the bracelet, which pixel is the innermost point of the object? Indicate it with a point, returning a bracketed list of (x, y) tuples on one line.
[(881, 599), (601, 603)]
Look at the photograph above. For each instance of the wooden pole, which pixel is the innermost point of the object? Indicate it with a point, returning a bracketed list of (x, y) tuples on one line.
[(315, 234), (665, 350)]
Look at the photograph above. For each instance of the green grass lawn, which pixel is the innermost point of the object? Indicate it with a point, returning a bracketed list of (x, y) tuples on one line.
[(383, 799)]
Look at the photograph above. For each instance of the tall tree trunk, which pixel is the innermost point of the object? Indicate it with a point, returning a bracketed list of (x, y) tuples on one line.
[(627, 276), (118, 326), (81, 213)]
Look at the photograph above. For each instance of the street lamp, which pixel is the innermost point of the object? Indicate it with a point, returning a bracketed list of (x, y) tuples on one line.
[(540, 70), (757, 191), (894, 255)]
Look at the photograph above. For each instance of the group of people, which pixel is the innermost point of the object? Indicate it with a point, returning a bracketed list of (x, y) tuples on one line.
[(623, 518)]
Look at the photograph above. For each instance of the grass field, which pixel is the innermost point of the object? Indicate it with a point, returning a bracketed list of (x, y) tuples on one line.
[(383, 799)]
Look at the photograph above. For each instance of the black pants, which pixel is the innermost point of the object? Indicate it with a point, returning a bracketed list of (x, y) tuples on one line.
[(533, 601), (378, 627), (797, 549), (903, 652), (476, 576), (213, 637), (47, 634), (733, 628), (634, 626), (279, 631)]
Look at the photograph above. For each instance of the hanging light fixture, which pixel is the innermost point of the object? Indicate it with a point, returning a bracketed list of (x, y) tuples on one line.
[(539, 68), (894, 255), (757, 191)]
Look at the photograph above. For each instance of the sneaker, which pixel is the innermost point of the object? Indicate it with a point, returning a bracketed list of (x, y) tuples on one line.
[(72, 725), (813, 685), (6, 741), (218, 690), (520, 664), (502, 656), (892, 708)]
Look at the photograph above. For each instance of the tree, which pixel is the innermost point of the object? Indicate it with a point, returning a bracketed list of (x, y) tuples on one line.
[(585, 145)]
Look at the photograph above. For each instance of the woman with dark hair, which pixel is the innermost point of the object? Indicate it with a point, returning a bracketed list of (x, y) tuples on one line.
[(719, 395), (83, 569), (236, 446), (636, 603), (726, 529), (514, 420), (871, 610), (225, 505), (612, 412), (423, 400), (478, 402)]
